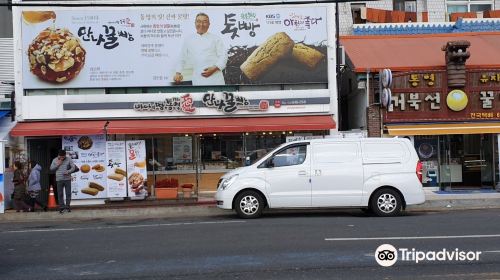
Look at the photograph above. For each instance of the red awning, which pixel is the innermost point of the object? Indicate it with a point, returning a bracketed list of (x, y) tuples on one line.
[(58, 128), (220, 125), (418, 52)]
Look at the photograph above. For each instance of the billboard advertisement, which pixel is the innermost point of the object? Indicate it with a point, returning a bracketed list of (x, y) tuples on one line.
[(89, 48)]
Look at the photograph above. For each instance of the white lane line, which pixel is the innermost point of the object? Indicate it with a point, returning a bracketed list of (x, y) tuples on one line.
[(491, 251), (414, 237), (118, 227)]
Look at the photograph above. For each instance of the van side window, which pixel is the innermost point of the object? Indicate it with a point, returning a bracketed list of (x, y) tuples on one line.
[(292, 156)]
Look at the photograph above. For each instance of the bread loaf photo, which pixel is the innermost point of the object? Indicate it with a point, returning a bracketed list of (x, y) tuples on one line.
[(266, 55), (120, 171), (308, 56), (90, 191), (116, 177), (96, 186)]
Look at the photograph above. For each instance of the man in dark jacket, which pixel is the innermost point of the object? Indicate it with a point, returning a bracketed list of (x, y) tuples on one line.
[(63, 166)]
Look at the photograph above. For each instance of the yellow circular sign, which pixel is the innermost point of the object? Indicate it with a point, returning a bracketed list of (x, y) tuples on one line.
[(457, 100)]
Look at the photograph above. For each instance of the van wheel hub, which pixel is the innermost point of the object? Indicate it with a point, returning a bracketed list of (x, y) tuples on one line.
[(249, 204), (386, 203)]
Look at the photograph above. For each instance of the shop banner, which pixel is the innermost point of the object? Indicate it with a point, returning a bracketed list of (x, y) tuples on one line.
[(183, 149), (90, 48), (89, 154), (136, 168), (116, 169)]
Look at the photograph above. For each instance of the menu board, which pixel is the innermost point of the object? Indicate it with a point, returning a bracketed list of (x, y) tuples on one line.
[(116, 169), (136, 168), (88, 152), (183, 149)]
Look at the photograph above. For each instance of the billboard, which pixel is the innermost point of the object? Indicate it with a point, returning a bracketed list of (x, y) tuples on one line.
[(162, 47)]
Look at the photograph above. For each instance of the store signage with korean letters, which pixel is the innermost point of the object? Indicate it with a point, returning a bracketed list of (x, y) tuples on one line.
[(228, 103), (90, 48), (422, 97)]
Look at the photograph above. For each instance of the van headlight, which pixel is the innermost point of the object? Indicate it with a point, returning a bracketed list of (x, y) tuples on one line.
[(228, 182)]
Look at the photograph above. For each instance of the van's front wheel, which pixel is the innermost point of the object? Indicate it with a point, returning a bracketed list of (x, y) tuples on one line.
[(249, 205), (386, 202)]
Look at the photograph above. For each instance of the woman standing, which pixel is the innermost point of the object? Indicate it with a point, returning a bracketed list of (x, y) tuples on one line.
[(19, 188), (34, 187)]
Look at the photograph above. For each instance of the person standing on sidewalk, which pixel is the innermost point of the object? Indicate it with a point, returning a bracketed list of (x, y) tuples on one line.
[(19, 194), (34, 186), (63, 166)]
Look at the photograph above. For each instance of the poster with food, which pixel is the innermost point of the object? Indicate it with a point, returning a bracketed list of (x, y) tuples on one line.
[(91, 47), (2, 195), (182, 149), (88, 152), (137, 173), (116, 169)]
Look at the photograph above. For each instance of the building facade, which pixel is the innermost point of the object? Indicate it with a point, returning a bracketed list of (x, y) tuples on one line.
[(116, 83)]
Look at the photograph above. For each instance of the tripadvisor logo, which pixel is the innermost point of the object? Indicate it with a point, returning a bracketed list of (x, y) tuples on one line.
[(387, 255)]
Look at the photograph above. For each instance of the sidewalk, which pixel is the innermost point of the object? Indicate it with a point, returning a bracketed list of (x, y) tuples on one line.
[(205, 207)]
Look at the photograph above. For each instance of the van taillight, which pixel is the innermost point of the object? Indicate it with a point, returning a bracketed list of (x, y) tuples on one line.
[(419, 171)]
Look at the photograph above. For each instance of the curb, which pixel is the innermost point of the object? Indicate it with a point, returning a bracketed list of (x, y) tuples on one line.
[(208, 209)]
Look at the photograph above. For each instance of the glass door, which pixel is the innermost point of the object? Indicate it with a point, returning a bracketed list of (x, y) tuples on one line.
[(451, 161)]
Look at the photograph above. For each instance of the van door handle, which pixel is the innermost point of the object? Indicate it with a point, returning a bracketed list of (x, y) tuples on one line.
[(302, 173)]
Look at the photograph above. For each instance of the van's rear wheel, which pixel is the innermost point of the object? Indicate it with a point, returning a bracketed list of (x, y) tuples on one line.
[(386, 202), (249, 205)]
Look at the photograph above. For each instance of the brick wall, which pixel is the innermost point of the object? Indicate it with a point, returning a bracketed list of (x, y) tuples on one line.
[(373, 117)]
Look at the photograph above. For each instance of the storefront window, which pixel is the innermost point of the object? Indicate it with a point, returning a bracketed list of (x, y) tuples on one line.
[(259, 144), (221, 151), (427, 150)]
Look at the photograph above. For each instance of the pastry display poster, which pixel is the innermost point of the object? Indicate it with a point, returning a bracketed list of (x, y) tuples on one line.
[(182, 149), (136, 168), (91, 48), (116, 169), (88, 152)]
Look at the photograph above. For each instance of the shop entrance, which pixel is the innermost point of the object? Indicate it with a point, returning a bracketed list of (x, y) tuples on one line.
[(43, 150), (467, 161)]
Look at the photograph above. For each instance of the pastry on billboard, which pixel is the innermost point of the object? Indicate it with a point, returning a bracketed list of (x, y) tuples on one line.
[(56, 55), (266, 55), (99, 167), (307, 55), (140, 164), (90, 191), (120, 171), (85, 168), (96, 186), (32, 17), (116, 177), (85, 143)]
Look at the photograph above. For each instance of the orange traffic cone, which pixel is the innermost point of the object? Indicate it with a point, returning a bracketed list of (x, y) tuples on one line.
[(52, 199)]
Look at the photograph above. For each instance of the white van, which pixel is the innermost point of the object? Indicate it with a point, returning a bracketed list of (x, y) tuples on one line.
[(381, 175)]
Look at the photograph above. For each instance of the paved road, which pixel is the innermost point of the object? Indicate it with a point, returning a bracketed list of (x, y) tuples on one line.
[(291, 245)]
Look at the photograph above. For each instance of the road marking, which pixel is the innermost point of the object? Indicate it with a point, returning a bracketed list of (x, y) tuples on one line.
[(414, 237), (118, 227), (491, 251)]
